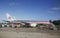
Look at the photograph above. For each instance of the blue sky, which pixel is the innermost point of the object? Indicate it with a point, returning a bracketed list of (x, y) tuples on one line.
[(30, 9)]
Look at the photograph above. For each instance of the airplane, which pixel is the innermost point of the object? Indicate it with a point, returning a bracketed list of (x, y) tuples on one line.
[(31, 22)]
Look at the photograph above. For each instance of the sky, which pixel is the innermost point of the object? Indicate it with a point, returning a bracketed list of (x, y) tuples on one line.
[(30, 9)]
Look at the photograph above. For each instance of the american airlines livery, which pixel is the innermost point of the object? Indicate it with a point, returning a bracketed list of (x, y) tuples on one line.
[(32, 23)]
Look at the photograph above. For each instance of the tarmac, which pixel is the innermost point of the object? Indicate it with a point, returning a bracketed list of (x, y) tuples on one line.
[(28, 33)]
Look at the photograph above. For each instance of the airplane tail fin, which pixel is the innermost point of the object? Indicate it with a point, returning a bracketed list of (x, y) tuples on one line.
[(9, 18)]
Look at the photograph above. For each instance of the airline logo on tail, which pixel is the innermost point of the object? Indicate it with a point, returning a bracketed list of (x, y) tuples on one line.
[(9, 18)]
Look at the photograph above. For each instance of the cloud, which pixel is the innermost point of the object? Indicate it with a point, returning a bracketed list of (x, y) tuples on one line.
[(55, 9), (13, 3)]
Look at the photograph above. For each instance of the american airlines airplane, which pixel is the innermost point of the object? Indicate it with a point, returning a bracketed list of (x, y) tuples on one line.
[(32, 23)]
